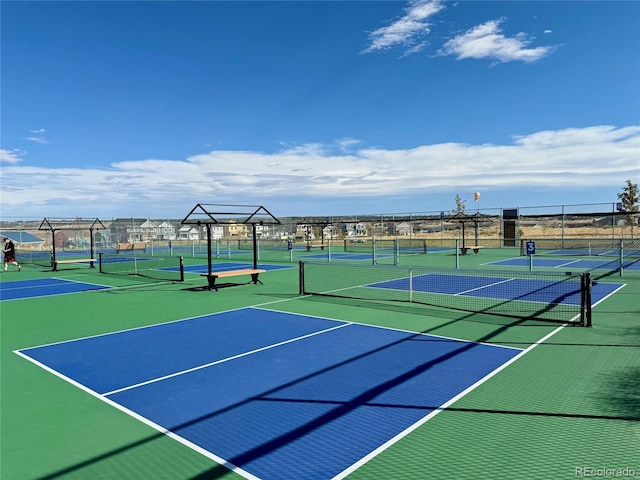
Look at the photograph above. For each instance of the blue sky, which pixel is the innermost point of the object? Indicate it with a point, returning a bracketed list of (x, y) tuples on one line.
[(315, 108)]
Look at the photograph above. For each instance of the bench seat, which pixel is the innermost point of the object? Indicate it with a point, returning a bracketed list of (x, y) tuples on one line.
[(213, 276), (90, 261)]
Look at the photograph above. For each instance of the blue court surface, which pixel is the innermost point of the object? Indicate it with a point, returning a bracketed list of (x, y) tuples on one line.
[(226, 266), (580, 264), (18, 289), (533, 290), (275, 395)]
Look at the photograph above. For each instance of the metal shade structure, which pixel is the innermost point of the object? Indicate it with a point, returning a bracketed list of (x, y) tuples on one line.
[(321, 222), (54, 224), (208, 214), (475, 219)]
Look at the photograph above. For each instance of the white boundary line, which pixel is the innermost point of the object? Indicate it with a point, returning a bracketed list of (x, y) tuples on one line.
[(441, 408), (382, 327), (45, 285), (239, 470), (132, 329), (609, 294), (146, 421), (223, 360)]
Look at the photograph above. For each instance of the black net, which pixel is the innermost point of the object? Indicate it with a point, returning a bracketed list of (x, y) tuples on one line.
[(154, 268), (551, 296)]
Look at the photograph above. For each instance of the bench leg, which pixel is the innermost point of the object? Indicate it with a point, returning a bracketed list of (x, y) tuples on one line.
[(463, 251), (212, 283), (254, 278), (475, 250)]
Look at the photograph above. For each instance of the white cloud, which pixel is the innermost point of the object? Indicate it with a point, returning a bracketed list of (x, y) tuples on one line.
[(40, 140), (316, 174), (10, 156), (407, 30), (39, 131), (486, 41)]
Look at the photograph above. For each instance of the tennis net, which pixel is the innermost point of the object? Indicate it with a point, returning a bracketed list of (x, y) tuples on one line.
[(155, 268), (550, 296), (34, 257)]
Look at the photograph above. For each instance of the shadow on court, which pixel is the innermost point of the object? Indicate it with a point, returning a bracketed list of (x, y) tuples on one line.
[(622, 396)]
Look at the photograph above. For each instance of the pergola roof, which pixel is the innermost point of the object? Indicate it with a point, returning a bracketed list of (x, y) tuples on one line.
[(71, 224), (210, 213), (463, 217)]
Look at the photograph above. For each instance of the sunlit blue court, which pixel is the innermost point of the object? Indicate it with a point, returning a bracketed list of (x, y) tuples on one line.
[(275, 395)]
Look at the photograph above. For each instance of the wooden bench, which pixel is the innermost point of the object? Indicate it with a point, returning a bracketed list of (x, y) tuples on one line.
[(475, 248), (74, 260), (129, 247), (211, 278)]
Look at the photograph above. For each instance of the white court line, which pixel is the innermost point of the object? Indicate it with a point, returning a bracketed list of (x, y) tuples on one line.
[(567, 263), (146, 421), (454, 339), (136, 328), (39, 286), (223, 360), (482, 287), (608, 295), (441, 408)]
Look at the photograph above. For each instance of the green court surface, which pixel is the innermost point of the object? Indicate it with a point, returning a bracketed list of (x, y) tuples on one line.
[(568, 406)]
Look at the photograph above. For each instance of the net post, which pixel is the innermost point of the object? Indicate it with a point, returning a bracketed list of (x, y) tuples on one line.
[(621, 257), (301, 278), (374, 256), (100, 262), (585, 303), (457, 254), (410, 285), (396, 252), (181, 268)]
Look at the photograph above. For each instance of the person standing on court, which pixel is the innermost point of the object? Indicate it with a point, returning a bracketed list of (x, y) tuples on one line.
[(9, 251)]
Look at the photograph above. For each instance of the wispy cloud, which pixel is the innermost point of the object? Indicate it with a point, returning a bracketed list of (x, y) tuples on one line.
[(408, 31), (313, 174), (39, 131), (10, 156), (40, 140), (486, 41)]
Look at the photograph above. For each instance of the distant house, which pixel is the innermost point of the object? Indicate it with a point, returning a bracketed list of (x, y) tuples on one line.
[(304, 231), (262, 231), (404, 228), (165, 231), (126, 230), (237, 230), (330, 232), (355, 229), (188, 233), (193, 233)]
